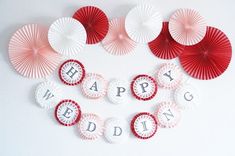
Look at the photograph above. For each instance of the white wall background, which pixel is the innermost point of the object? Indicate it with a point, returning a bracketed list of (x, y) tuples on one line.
[(26, 129)]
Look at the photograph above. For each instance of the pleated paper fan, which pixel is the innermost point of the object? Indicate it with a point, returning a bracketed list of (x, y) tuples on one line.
[(187, 26), (209, 58), (67, 36), (143, 23), (164, 46), (95, 22), (30, 52), (117, 42)]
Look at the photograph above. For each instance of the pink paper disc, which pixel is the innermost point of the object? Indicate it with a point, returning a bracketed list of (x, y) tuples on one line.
[(167, 114), (94, 86), (187, 26), (90, 126), (117, 42), (169, 76), (30, 52)]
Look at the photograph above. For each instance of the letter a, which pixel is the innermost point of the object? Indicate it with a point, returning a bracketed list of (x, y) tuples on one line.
[(94, 86)]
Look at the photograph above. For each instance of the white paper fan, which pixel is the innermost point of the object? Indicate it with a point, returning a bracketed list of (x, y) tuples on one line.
[(143, 23), (67, 36)]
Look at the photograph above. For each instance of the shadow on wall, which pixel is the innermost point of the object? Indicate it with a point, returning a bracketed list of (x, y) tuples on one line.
[(43, 20), (121, 11), (70, 10)]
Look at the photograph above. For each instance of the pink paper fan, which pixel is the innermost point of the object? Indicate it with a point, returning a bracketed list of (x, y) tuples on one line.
[(187, 27), (117, 41), (30, 52)]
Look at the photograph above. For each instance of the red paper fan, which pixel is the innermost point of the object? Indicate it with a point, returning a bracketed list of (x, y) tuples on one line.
[(164, 46), (209, 58), (30, 52), (95, 22)]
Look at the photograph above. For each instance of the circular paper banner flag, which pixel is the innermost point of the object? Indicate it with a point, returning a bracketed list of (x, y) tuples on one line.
[(67, 36), (187, 26), (144, 87), (72, 72), (68, 112), (209, 58), (167, 114), (48, 94), (117, 42), (169, 76), (186, 96), (90, 126), (144, 125), (30, 52), (117, 91), (143, 23), (94, 86), (164, 46), (116, 130), (94, 21)]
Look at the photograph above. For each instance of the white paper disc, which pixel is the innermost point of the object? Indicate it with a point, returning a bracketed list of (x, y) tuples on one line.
[(67, 36), (186, 96), (118, 91), (48, 94), (116, 130), (143, 23)]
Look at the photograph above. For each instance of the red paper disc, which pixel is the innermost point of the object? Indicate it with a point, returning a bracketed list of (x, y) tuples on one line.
[(94, 21), (67, 112), (209, 58), (164, 46), (144, 125), (144, 87), (72, 72)]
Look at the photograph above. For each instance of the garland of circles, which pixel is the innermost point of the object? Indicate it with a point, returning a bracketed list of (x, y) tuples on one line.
[(204, 53)]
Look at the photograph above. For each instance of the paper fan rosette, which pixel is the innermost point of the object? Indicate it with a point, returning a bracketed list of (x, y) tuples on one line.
[(143, 23), (209, 58), (67, 36), (164, 46), (30, 52), (187, 26), (117, 42), (94, 21)]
